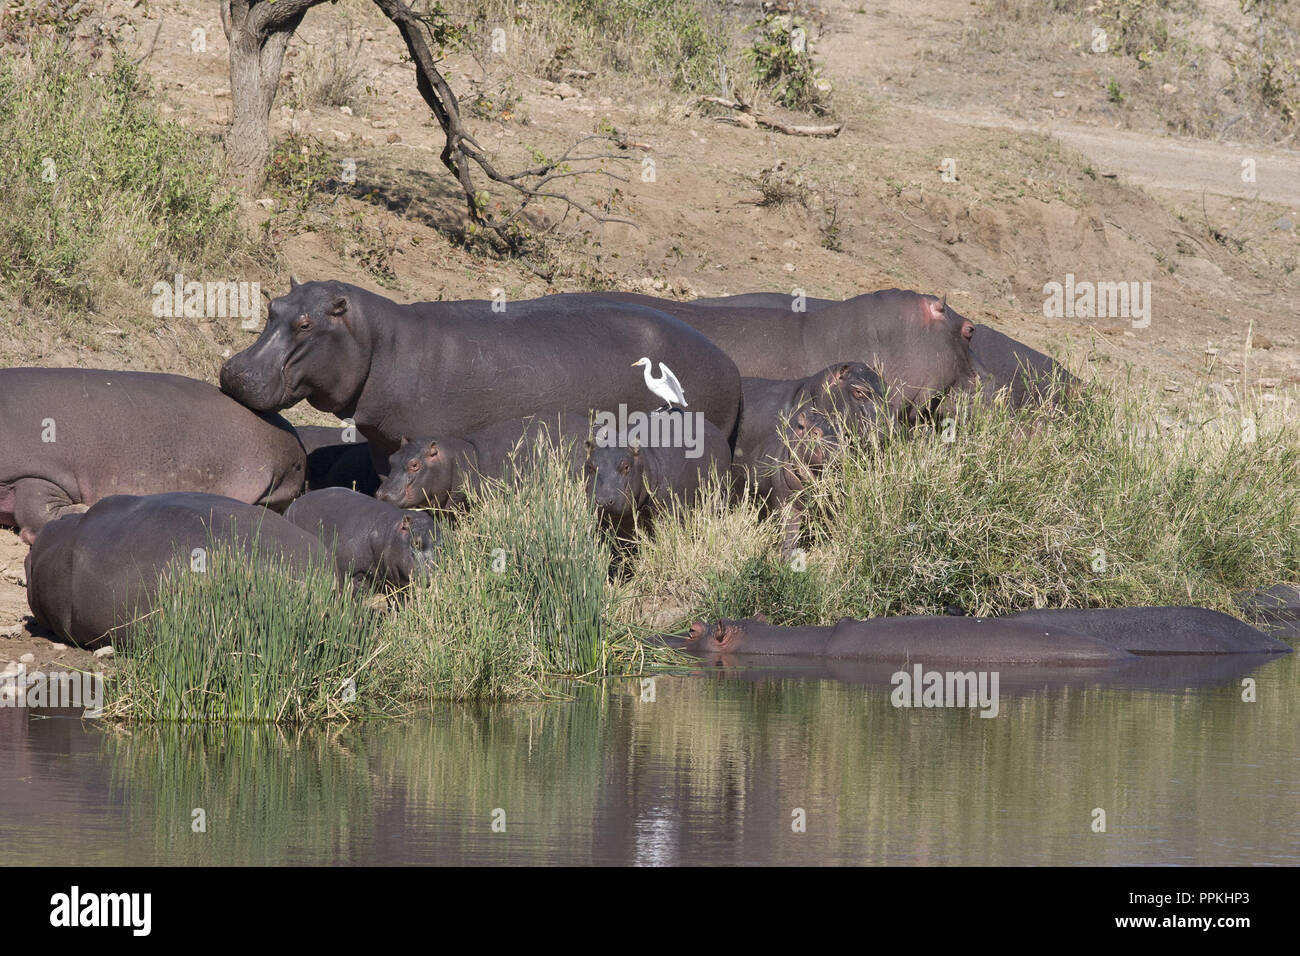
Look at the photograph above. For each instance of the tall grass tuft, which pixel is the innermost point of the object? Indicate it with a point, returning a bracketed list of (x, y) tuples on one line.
[(520, 595), (97, 189), (246, 641)]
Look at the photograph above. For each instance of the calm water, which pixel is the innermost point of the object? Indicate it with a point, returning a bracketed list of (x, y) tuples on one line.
[(709, 772)]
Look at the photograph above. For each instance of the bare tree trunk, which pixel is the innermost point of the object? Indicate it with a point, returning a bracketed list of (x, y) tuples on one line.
[(259, 33)]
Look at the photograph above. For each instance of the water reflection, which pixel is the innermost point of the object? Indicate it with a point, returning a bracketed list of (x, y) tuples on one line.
[(714, 770)]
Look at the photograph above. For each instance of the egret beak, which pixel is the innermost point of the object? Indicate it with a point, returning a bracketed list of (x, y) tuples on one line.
[(634, 365)]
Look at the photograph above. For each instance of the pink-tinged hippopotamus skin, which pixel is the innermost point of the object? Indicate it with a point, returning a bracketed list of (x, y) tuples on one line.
[(451, 368), (918, 345), (132, 433), (374, 544), (934, 641), (850, 392), (1028, 376), (89, 574), (441, 471), (629, 483), (1160, 630)]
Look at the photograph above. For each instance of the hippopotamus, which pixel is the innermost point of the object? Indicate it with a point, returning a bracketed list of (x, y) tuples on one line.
[(627, 482), (441, 471), (450, 368), (1278, 604), (962, 641), (1159, 630), (848, 391), (1000, 361), (782, 463), (373, 542), (90, 574), (71, 436), (917, 343), (334, 462)]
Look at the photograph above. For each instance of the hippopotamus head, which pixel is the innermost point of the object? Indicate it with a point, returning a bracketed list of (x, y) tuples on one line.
[(314, 346), (722, 637), (421, 473), (811, 436), (615, 478), (409, 550), (850, 390), (959, 331)]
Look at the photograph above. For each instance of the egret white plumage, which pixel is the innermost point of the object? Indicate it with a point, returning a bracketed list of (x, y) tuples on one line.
[(665, 386)]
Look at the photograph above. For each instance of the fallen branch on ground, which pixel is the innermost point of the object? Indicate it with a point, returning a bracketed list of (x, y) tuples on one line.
[(750, 118)]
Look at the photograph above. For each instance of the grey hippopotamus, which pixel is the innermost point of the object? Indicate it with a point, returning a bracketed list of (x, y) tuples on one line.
[(70, 436), (1160, 630), (849, 391), (784, 461), (439, 472), (373, 542), (333, 462), (999, 360), (927, 640), (1278, 604), (454, 367), (89, 574), (627, 482), (917, 343)]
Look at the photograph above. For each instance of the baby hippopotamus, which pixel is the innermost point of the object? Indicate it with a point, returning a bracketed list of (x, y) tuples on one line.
[(627, 483), (928, 640), (849, 392), (783, 463), (374, 543), (441, 471)]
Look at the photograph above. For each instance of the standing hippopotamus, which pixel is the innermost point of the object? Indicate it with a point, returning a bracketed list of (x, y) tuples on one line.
[(89, 574), (333, 462), (1160, 630), (450, 368), (849, 391), (919, 346), (440, 472), (373, 542), (928, 640), (627, 482), (999, 360), (71, 436)]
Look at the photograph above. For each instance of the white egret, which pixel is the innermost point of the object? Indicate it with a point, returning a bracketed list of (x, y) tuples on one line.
[(665, 386)]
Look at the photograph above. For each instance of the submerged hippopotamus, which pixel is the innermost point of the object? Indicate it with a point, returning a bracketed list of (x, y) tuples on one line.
[(1160, 630), (450, 368), (961, 641), (918, 344), (848, 391), (90, 574), (334, 462), (71, 436), (442, 471), (1001, 362), (373, 542), (628, 482)]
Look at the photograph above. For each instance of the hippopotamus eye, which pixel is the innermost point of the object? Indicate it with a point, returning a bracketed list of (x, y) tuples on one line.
[(302, 323), (413, 465), (623, 468)]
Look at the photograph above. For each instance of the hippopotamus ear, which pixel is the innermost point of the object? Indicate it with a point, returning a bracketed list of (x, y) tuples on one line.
[(760, 617), (293, 282), (967, 329), (433, 449)]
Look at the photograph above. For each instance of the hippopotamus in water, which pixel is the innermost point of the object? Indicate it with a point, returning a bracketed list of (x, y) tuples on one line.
[(373, 542), (962, 641), (440, 472), (1278, 604), (89, 574), (626, 482), (450, 368), (999, 360), (847, 391), (1159, 630), (71, 436), (334, 462), (917, 343)]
